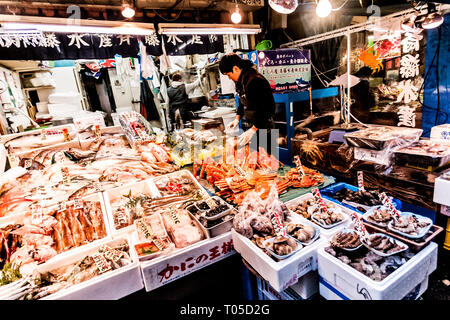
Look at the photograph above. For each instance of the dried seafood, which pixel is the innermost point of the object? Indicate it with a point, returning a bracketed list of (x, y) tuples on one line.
[(380, 216), (301, 232), (346, 240), (384, 244), (409, 224), (367, 198)]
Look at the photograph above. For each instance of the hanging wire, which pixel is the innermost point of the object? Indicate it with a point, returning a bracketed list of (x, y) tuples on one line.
[(171, 20), (345, 2)]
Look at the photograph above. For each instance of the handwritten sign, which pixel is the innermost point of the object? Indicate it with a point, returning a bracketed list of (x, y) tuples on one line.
[(13, 160), (43, 134), (78, 203), (36, 214), (65, 175), (319, 200), (299, 166), (97, 131), (390, 206), (277, 224), (102, 264), (110, 253), (62, 206), (360, 228)]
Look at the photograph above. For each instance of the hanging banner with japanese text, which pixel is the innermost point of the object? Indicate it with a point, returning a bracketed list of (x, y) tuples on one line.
[(288, 70), (180, 45), (202, 254), (72, 46)]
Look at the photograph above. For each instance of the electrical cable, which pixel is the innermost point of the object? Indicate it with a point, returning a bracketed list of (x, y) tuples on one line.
[(437, 76), (345, 2), (170, 20)]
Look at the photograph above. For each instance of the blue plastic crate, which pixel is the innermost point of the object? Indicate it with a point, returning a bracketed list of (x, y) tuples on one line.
[(330, 191)]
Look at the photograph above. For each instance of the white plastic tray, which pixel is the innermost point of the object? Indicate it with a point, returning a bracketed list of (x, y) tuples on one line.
[(420, 218)]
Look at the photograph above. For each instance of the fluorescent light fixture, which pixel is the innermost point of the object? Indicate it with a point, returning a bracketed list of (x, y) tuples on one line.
[(73, 28), (208, 29)]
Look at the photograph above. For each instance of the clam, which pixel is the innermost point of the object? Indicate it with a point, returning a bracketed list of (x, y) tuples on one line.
[(279, 239)]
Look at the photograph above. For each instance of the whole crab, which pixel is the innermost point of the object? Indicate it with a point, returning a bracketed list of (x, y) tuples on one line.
[(371, 60)]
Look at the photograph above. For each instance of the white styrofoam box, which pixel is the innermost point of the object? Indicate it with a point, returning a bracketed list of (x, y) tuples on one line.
[(84, 143), (305, 288), (325, 233), (202, 190), (380, 157), (347, 283), (85, 119), (441, 191), (42, 107), (111, 195), (445, 210), (64, 98), (181, 262), (440, 132), (280, 274), (58, 109), (113, 284)]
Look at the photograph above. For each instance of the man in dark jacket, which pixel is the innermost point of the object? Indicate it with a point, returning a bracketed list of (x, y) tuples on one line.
[(178, 96), (256, 102)]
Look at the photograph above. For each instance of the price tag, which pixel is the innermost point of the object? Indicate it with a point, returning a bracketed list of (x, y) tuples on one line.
[(36, 214), (110, 253), (27, 163), (43, 134), (361, 181), (239, 170), (97, 131), (319, 200), (78, 203), (388, 203), (299, 166), (121, 216), (13, 160), (97, 187), (62, 206), (66, 134), (277, 225), (360, 228), (102, 264), (65, 175), (148, 234)]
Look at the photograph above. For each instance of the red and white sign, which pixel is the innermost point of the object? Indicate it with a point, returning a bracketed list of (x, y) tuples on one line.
[(298, 163), (319, 200), (360, 228), (177, 265), (361, 181), (388, 203)]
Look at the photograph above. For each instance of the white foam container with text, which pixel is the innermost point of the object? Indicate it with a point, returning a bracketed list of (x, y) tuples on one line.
[(146, 186), (341, 281), (281, 274), (111, 285), (325, 233)]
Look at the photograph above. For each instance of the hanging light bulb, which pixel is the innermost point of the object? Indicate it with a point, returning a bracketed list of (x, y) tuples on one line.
[(127, 11), (323, 8), (283, 6), (236, 16)]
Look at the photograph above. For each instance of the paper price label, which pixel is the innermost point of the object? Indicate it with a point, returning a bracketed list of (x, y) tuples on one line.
[(148, 234), (97, 131), (360, 228), (66, 134), (43, 134), (77, 203), (65, 175), (110, 253), (319, 200), (62, 206), (299, 166), (121, 216), (277, 225), (361, 180), (36, 214), (102, 264), (27, 163), (13, 160), (239, 170), (175, 217), (388, 203), (59, 157)]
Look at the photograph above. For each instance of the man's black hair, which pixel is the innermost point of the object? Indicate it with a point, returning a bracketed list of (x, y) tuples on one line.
[(176, 77), (228, 61)]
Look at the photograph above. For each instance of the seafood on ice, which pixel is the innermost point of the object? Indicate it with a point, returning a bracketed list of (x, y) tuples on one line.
[(371, 264), (384, 244)]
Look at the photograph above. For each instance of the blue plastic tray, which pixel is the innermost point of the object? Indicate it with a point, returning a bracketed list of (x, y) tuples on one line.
[(330, 191)]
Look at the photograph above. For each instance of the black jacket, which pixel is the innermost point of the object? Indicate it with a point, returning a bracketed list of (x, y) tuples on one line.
[(256, 100), (177, 96)]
